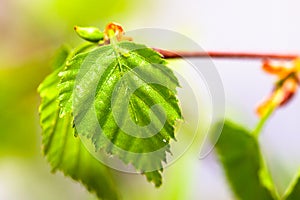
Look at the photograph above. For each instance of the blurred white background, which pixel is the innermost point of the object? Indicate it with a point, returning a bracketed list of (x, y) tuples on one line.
[(241, 26)]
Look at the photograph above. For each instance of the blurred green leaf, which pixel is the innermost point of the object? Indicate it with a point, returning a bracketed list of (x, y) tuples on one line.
[(64, 151), (240, 156), (293, 191), (95, 86), (18, 105)]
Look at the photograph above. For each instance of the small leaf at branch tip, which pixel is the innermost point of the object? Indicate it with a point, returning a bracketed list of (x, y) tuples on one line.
[(279, 70), (286, 86), (91, 34)]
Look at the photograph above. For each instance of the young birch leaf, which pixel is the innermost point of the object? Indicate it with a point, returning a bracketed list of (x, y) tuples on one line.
[(64, 151), (293, 191), (123, 98), (239, 153)]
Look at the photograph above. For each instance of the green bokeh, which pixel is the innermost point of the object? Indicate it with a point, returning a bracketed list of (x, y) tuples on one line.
[(34, 29), (30, 33)]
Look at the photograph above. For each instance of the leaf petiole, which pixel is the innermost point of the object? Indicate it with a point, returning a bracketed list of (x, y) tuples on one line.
[(269, 111)]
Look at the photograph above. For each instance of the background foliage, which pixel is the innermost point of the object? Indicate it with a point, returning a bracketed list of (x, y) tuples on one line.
[(31, 31)]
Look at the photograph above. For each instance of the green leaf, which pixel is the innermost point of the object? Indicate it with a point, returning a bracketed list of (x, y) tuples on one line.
[(293, 191), (239, 153), (60, 57), (113, 92), (64, 151)]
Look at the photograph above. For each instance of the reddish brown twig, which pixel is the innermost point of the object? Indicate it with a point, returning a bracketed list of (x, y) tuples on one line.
[(227, 55)]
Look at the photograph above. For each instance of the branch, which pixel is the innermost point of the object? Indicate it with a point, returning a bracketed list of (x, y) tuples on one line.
[(226, 55)]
